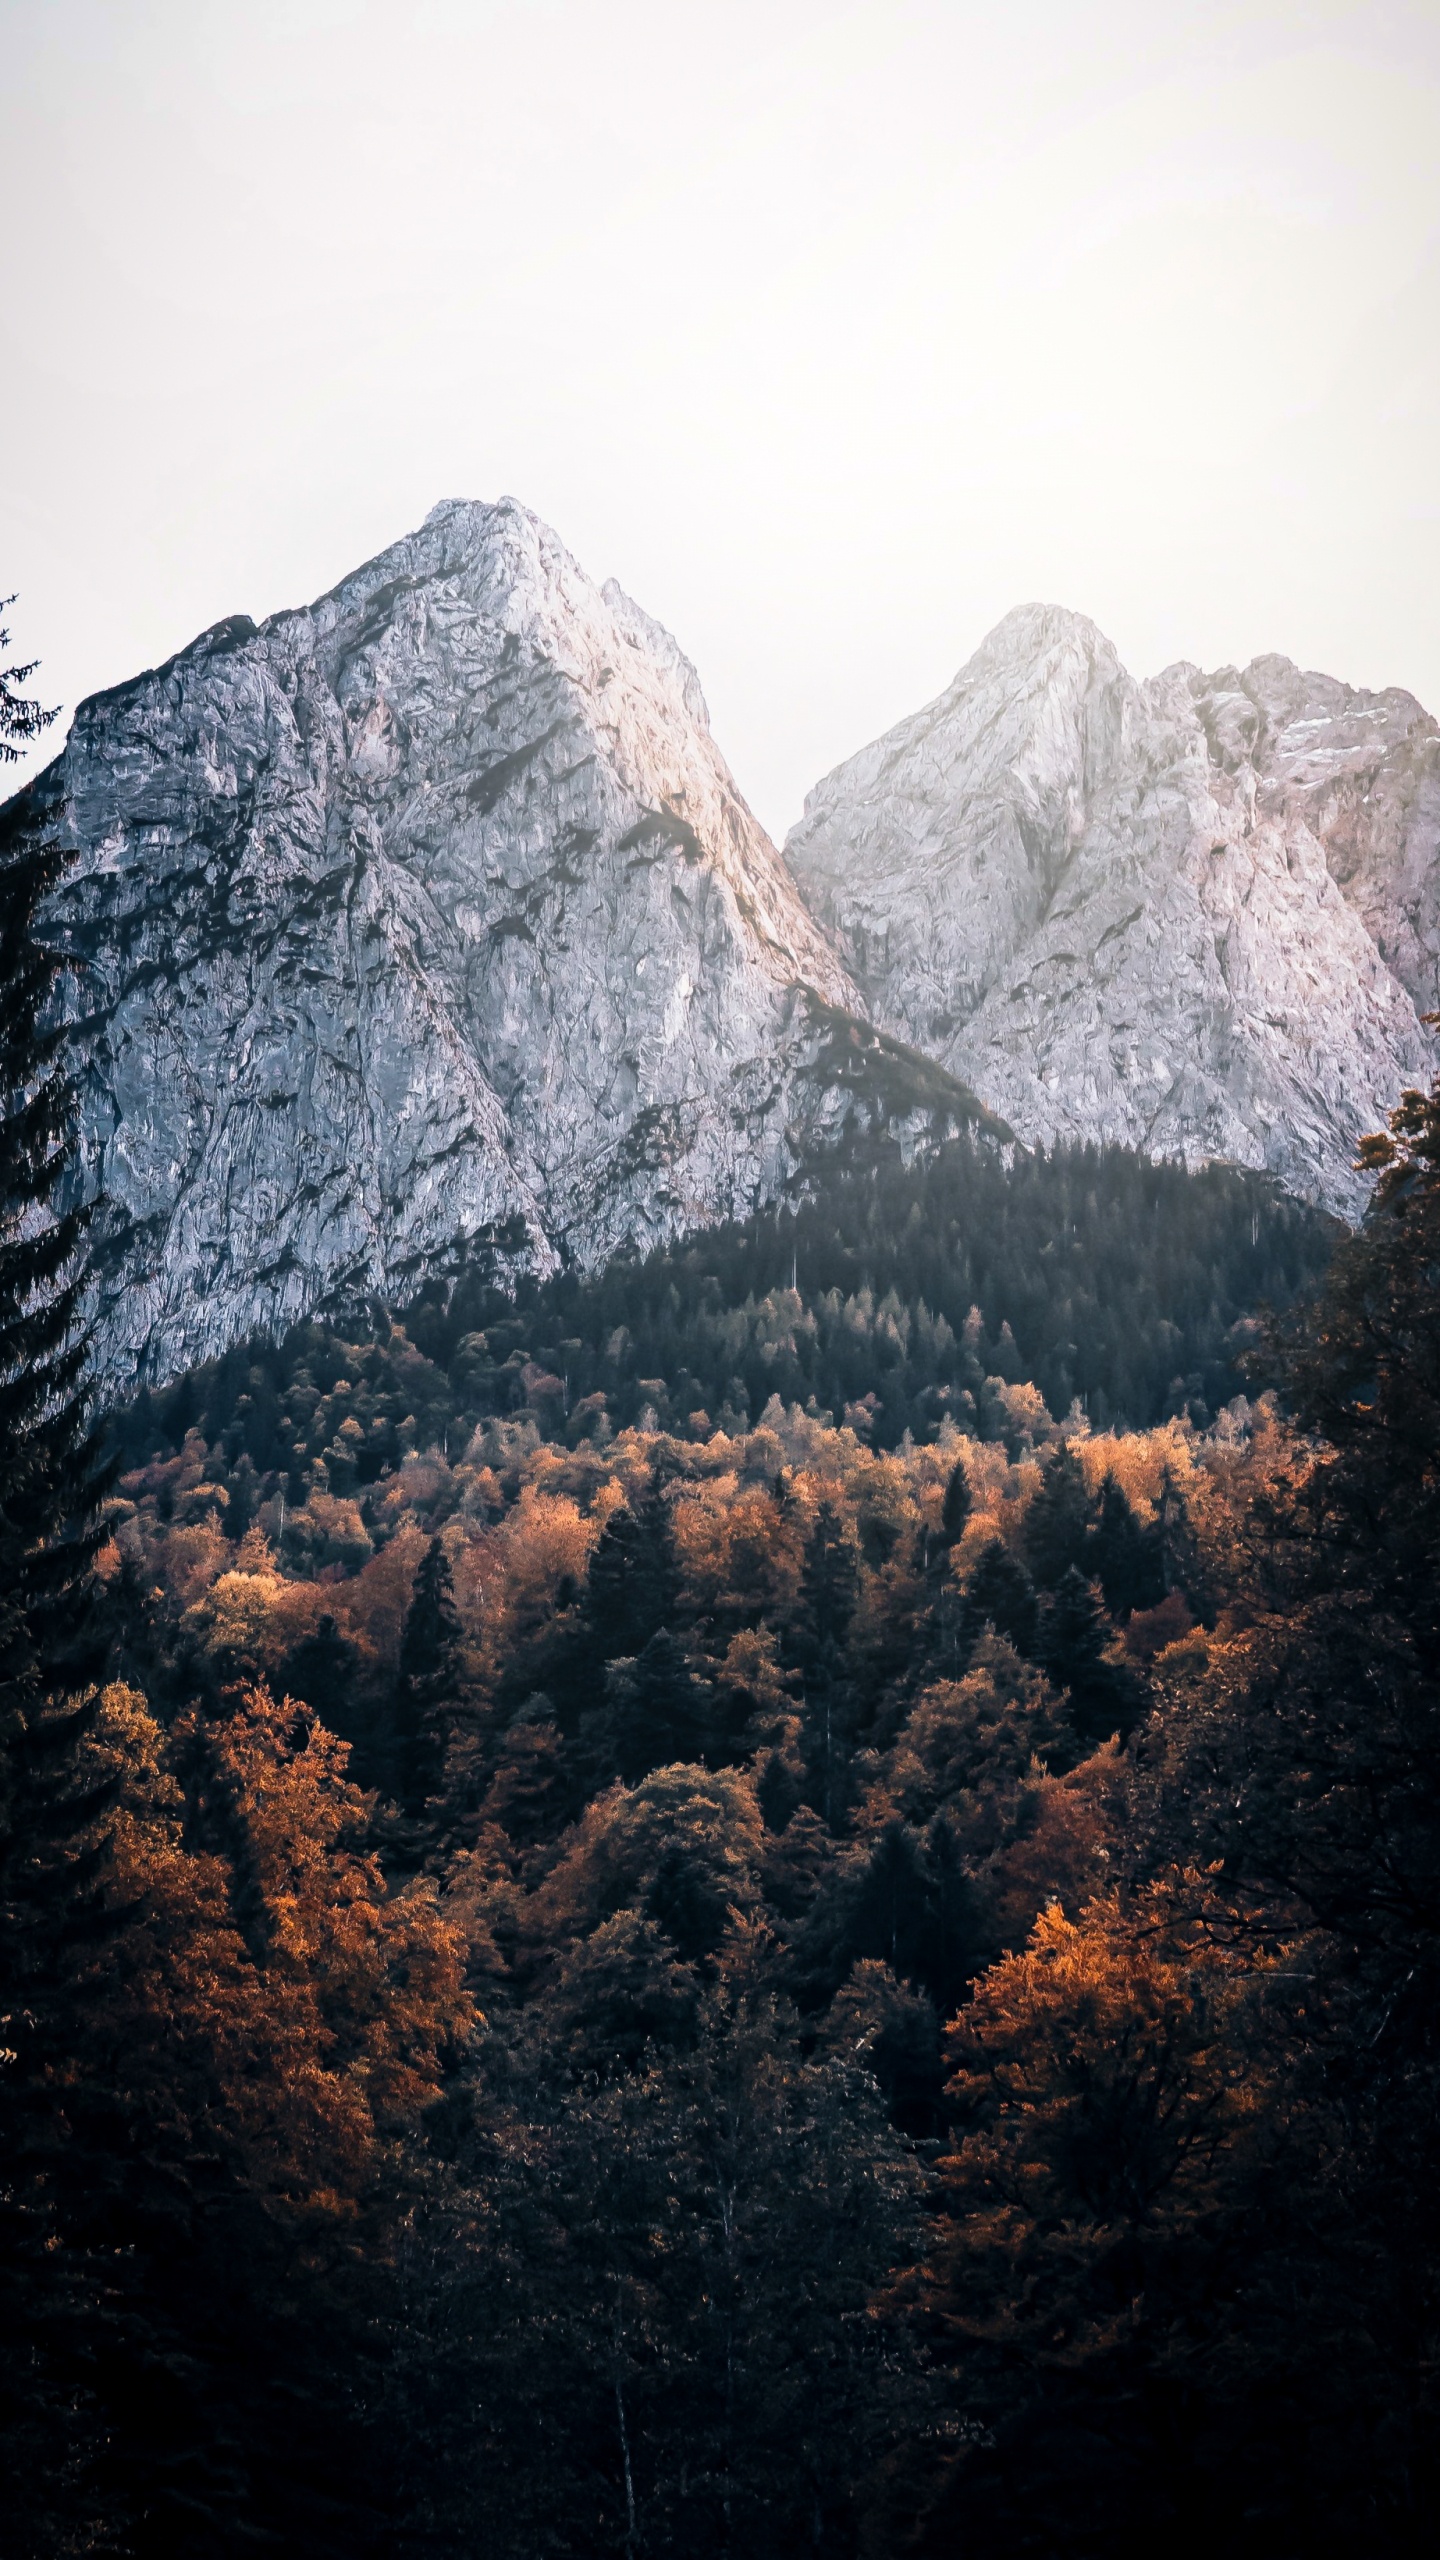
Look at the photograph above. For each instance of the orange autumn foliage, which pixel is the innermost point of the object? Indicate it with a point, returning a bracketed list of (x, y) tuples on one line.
[(262, 1979), (1105, 2079)]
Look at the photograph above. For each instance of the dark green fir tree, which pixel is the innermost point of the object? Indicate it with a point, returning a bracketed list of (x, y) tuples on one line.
[(1057, 1522), (431, 1680), (1001, 1594), (944, 1605), (53, 1842), (829, 1592), (632, 1582), (1124, 1558), (1073, 1645), (957, 1506)]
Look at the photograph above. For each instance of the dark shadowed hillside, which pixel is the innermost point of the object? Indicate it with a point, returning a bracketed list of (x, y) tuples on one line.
[(893, 1297)]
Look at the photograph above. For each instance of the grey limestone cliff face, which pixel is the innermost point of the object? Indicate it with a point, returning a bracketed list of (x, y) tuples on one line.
[(426, 925), (1198, 915), (1360, 773), (421, 923)]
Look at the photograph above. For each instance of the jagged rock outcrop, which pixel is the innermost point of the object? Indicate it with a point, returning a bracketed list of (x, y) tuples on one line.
[(422, 922), (1361, 772), (1197, 915)]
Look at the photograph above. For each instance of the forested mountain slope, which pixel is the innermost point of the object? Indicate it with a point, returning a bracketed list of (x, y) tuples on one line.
[(851, 1919), (892, 1298)]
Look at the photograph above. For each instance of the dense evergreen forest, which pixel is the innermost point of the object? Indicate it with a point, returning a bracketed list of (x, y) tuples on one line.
[(727, 1909), (891, 1299)]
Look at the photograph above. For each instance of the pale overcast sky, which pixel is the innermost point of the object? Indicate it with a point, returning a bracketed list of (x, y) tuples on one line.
[(833, 332)]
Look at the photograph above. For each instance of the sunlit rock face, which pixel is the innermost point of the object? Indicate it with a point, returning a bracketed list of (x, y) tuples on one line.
[(1199, 915), (423, 922), (426, 925), (1361, 773)]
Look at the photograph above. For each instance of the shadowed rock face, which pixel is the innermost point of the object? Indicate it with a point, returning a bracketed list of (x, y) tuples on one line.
[(422, 922), (1198, 915)]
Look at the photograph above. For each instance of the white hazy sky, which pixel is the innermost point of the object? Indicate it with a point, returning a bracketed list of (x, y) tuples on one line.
[(833, 332)]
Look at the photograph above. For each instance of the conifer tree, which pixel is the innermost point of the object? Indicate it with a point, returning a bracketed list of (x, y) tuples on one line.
[(52, 1835), (944, 1607), (1341, 1737), (49, 1457), (933, 1550), (1182, 1566), (632, 1583), (431, 1673), (1001, 1594), (1057, 1521), (1074, 1634), (911, 1905), (654, 1712), (652, 1510), (22, 718), (321, 1669), (890, 1914), (956, 1508), (829, 1591), (829, 1587), (1124, 1558), (1364, 1367)]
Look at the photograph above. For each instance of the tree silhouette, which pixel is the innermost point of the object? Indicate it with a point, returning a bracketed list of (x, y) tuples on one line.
[(54, 1848), (937, 1545), (1123, 1557), (1074, 1632), (431, 1676), (1057, 1519), (829, 1591), (956, 1507), (632, 1583), (654, 1711), (1001, 1594)]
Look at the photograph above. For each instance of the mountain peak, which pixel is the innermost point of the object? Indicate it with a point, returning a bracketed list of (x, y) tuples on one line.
[(1196, 916), (1028, 631), (421, 923)]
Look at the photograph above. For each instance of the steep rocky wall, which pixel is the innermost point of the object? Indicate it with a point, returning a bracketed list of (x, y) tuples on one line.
[(1192, 915)]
